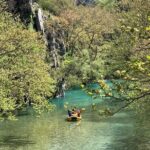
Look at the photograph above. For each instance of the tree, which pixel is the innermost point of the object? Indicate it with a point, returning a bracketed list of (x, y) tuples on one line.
[(25, 78), (129, 58), (55, 7), (79, 42)]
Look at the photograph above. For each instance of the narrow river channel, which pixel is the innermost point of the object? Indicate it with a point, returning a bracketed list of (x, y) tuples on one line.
[(123, 131)]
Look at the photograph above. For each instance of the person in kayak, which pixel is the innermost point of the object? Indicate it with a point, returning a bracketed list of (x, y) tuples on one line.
[(74, 113), (78, 112), (69, 113), (74, 110)]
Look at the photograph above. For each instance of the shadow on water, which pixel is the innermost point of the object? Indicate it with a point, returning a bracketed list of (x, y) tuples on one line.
[(128, 143), (14, 141)]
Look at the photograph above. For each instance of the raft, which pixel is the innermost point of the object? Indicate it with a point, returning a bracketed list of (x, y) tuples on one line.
[(72, 118)]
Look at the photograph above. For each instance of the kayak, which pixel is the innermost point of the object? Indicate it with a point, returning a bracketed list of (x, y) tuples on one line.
[(72, 118)]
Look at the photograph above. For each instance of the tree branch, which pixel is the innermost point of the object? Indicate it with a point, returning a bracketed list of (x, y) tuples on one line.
[(132, 100)]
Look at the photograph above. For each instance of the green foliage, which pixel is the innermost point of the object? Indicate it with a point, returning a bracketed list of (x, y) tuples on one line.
[(80, 31), (55, 6), (106, 3), (24, 76), (129, 57), (88, 55)]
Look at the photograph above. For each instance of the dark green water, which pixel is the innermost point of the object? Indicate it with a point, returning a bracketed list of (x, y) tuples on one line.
[(124, 131)]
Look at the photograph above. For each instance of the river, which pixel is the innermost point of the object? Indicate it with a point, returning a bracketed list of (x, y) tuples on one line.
[(50, 131)]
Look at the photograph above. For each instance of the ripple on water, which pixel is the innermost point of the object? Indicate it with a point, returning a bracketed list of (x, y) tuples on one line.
[(122, 131)]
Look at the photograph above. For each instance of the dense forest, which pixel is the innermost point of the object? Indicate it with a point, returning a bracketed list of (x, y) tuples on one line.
[(48, 44)]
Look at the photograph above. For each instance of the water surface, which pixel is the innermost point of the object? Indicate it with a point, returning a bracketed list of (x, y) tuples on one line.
[(124, 131)]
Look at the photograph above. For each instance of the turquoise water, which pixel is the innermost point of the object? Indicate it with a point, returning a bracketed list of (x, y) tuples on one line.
[(75, 97), (124, 131)]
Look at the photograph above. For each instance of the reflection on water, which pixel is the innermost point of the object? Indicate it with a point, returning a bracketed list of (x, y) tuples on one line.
[(14, 141), (124, 131)]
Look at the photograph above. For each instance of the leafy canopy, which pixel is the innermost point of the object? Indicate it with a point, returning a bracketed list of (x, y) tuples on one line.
[(24, 76)]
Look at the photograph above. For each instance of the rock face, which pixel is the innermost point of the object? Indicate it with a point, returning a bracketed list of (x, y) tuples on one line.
[(23, 8), (39, 20), (29, 12), (32, 16), (61, 86), (12, 5)]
